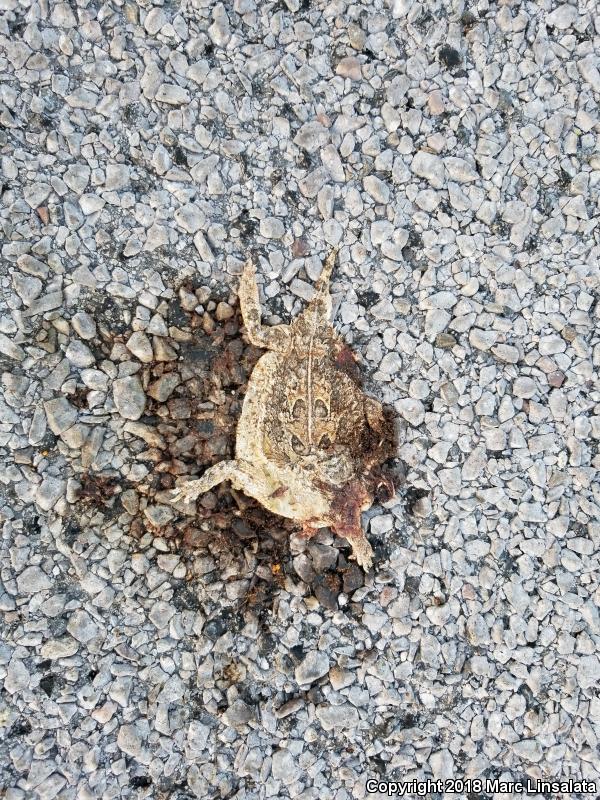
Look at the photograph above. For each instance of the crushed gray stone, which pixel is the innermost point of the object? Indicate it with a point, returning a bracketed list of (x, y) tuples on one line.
[(451, 156)]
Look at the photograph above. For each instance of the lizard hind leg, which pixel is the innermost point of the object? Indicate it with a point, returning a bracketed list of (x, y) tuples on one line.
[(309, 530), (348, 525), (223, 471), (361, 550)]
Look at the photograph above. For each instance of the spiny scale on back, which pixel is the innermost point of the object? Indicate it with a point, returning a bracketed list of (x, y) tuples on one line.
[(308, 440)]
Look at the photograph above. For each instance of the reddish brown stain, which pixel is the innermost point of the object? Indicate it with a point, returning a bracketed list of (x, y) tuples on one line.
[(346, 506), (98, 489), (345, 360)]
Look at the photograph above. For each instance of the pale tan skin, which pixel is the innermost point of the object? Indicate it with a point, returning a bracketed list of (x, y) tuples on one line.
[(308, 440)]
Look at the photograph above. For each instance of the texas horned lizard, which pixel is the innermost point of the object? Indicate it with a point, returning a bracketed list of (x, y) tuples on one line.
[(309, 441)]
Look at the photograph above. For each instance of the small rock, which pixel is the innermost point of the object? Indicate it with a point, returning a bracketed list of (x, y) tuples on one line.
[(528, 749), (161, 613), (59, 648), (495, 439), (49, 491), (33, 579), (506, 352), (381, 231), (129, 397), (172, 94), (340, 678), (562, 17), (33, 266), (474, 464), (140, 345), (481, 339), (60, 414), (27, 287), (84, 325), (450, 480), (349, 67), (378, 190), (390, 364), (313, 667), (556, 379), (460, 170), (162, 389), (191, 218), (515, 707), (429, 166), (342, 716), (353, 578), (17, 677), (327, 589), (219, 31), (477, 630), (154, 21), (197, 735), (428, 200), (91, 203), (312, 136), (442, 764), (412, 410), (356, 36), (129, 740), (524, 387), (51, 786), (36, 193), (82, 627), (224, 312), (588, 671), (79, 354), (159, 515), (284, 767), (238, 714), (436, 321), (10, 349), (272, 228)]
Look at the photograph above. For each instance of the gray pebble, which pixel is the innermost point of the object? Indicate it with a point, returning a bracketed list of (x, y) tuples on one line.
[(161, 613), (84, 325), (59, 648), (377, 189), (272, 228), (33, 579), (141, 347), (239, 714), (283, 767), (49, 492), (312, 667), (524, 387), (60, 414), (219, 31), (162, 389), (27, 287), (429, 166), (79, 354), (342, 716), (129, 740), (17, 677), (10, 349), (129, 397), (312, 136), (82, 627)]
